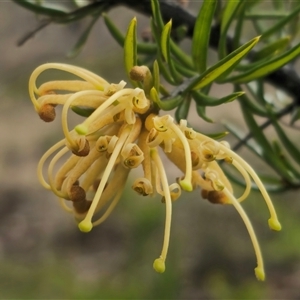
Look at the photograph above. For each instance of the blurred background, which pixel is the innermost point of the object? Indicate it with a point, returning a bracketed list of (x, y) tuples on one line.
[(42, 253)]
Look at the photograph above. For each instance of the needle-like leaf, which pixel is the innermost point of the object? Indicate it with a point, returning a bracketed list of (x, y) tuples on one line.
[(201, 34)]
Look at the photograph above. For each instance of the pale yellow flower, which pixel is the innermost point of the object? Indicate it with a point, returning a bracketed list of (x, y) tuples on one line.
[(122, 132)]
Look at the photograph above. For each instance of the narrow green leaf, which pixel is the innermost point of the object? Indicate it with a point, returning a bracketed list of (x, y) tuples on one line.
[(239, 28), (295, 115), (293, 25), (164, 91), (265, 14), (288, 144), (229, 14), (282, 154), (167, 104), (205, 100), (146, 48), (83, 38), (253, 107), (283, 21), (182, 110), (260, 92), (157, 17), (143, 48), (184, 71), (201, 34), (171, 103), (159, 24), (267, 67), (240, 135), (180, 32), (83, 111), (256, 148), (181, 56), (224, 65), (130, 49), (165, 41), (271, 183), (113, 30), (202, 114), (268, 152), (165, 72), (50, 12), (81, 13), (166, 51), (217, 135), (256, 130), (273, 48), (279, 5)]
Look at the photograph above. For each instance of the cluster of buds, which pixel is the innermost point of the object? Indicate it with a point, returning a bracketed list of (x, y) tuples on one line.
[(122, 131)]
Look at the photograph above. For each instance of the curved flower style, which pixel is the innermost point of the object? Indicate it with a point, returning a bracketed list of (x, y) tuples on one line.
[(122, 131)]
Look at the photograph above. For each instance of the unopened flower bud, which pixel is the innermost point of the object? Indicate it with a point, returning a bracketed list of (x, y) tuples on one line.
[(82, 207), (77, 193), (138, 73), (47, 112), (214, 197)]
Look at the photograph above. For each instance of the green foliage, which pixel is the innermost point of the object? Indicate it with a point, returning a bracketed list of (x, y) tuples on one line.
[(130, 55), (254, 40), (202, 34)]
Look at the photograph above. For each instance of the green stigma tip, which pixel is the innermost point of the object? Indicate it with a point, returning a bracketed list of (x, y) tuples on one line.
[(159, 265), (81, 129), (259, 273), (274, 224), (85, 226), (186, 185)]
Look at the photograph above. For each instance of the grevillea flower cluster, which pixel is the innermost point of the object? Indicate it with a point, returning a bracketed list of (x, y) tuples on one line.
[(122, 130)]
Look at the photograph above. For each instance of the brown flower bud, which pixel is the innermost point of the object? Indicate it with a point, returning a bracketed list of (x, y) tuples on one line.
[(138, 73), (84, 151), (214, 197), (47, 112), (77, 193), (82, 207)]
